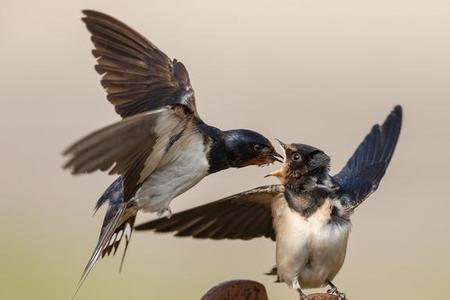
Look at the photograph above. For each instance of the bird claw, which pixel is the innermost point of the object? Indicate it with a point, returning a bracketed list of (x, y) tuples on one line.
[(165, 211), (296, 286), (341, 296), (304, 297), (334, 291)]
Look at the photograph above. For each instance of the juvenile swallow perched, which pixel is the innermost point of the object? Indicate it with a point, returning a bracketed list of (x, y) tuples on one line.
[(308, 215), (161, 147)]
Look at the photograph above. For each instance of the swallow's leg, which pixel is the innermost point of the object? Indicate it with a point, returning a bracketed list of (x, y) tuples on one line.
[(334, 291), (296, 285)]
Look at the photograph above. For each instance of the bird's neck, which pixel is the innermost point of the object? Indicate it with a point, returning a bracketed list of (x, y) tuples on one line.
[(307, 193), (316, 181), (218, 157)]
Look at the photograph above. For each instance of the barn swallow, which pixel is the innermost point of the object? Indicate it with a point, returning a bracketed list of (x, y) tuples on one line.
[(161, 147), (308, 214)]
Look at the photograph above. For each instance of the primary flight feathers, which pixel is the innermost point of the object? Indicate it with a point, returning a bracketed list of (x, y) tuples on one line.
[(243, 216), (137, 76), (363, 172)]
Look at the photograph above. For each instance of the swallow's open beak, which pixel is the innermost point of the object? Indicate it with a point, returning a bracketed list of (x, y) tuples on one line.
[(283, 145), (278, 157), (277, 173)]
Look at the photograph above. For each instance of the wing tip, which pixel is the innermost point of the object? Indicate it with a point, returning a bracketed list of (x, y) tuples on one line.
[(398, 111), (395, 120), (92, 13), (396, 114), (398, 108), (89, 15)]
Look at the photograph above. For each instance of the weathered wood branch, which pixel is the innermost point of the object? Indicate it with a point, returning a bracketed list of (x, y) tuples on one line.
[(248, 290)]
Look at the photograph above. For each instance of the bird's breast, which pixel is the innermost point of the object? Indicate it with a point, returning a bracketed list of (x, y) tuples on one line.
[(311, 249), (182, 167)]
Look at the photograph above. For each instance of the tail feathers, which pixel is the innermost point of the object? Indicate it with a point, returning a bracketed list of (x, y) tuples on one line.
[(112, 195), (117, 224), (124, 230)]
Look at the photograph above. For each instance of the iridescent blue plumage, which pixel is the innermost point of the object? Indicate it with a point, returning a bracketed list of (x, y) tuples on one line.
[(365, 169)]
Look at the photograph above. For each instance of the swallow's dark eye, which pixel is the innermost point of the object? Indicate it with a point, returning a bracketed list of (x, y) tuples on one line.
[(258, 147), (296, 157)]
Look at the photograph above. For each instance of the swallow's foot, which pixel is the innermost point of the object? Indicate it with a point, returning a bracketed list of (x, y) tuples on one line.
[(165, 211), (302, 295), (296, 285), (341, 296), (334, 291)]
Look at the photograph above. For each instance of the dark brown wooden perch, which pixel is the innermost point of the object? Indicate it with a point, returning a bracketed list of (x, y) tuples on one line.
[(248, 290)]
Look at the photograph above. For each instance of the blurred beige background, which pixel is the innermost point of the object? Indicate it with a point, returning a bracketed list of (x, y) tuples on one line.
[(317, 72)]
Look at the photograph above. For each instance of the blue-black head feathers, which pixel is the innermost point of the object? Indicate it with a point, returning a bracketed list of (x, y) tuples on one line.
[(305, 168), (305, 158), (246, 147), (239, 148)]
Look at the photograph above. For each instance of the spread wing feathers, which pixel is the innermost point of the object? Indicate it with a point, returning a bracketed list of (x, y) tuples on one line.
[(117, 224), (365, 169), (137, 76), (243, 216), (131, 147)]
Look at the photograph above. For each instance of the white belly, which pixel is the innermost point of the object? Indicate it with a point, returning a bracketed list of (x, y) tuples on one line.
[(181, 171), (310, 251)]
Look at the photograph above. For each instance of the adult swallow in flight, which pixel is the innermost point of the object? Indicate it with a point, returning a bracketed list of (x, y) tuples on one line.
[(308, 215), (161, 147)]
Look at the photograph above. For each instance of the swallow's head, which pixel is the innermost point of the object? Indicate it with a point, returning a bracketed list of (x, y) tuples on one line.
[(301, 160), (246, 147)]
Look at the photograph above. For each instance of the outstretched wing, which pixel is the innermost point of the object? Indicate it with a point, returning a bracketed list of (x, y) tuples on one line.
[(365, 169), (243, 216), (137, 76), (132, 147)]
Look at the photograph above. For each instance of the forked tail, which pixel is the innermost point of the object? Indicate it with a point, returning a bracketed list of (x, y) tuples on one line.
[(117, 224)]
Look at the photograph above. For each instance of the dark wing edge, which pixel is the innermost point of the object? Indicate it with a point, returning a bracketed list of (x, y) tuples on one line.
[(364, 170), (137, 76), (244, 216)]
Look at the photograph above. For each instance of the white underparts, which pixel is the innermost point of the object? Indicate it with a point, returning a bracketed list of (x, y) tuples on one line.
[(311, 249), (182, 167)]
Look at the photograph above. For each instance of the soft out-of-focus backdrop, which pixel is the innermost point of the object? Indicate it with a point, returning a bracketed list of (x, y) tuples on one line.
[(317, 72)]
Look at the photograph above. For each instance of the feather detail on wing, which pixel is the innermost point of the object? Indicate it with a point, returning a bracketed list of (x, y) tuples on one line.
[(364, 170), (137, 76), (243, 216), (132, 147)]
